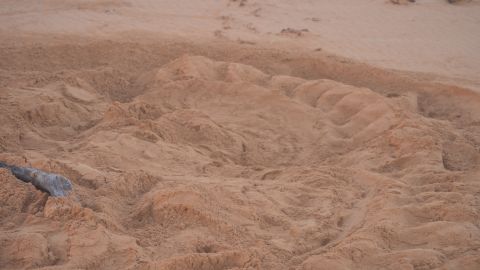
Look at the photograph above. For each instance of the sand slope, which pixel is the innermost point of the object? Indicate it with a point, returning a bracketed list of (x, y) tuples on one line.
[(207, 164)]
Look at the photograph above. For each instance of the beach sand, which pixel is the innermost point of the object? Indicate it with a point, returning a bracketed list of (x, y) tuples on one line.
[(241, 134)]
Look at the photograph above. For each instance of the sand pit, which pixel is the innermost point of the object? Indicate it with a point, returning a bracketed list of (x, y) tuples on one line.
[(219, 154)]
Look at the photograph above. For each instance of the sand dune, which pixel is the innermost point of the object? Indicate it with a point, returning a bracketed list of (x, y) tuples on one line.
[(220, 154)]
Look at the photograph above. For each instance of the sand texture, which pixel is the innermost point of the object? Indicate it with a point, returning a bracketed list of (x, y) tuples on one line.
[(228, 152)]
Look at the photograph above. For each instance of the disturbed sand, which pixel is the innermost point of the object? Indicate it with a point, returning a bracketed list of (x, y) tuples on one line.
[(226, 151)]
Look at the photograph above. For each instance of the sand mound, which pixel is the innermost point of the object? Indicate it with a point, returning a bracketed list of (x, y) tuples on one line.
[(206, 164)]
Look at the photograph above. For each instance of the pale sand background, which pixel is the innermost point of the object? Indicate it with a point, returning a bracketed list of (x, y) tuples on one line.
[(199, 136), (429, 36)]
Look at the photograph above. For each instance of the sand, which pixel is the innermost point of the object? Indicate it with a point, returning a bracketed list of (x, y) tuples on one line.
[(241, 134)]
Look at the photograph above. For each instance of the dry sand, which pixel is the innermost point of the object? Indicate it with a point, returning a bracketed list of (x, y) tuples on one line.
[(241, 134)]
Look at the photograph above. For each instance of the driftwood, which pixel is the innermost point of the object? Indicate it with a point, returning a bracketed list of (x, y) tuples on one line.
[(54, 184)]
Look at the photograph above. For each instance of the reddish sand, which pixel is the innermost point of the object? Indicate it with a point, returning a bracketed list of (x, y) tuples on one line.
[(232, 153)]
